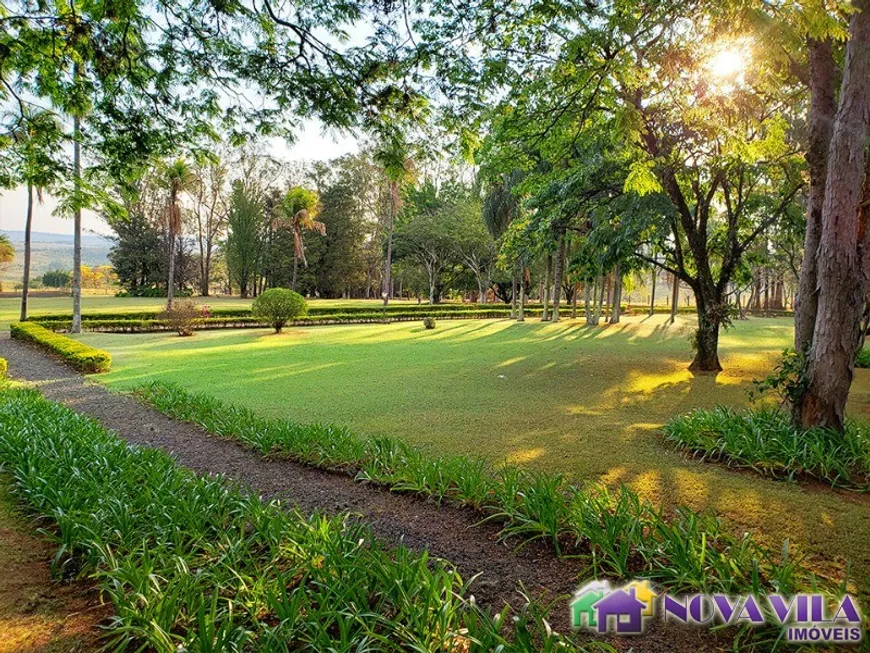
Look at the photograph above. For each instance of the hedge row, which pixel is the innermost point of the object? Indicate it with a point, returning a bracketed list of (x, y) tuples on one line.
[(79, 355), (147, 326)]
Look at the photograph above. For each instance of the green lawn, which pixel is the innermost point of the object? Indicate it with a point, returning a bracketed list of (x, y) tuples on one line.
[(558, 397)]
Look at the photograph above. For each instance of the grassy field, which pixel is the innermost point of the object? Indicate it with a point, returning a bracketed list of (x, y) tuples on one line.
[(94, 304), (559, 397)]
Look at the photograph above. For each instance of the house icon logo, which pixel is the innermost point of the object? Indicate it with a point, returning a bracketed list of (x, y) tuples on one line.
[(622, 610)]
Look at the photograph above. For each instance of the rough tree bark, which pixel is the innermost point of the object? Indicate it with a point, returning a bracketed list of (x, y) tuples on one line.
[(842, 276), (822, 113), (616, 308)]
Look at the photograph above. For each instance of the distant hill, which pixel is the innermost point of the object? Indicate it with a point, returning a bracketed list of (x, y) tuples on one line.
[(89, 240), (53, 252)]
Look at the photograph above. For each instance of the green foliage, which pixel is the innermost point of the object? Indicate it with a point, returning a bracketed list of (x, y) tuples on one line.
[(246, 229), (56, 279), (766, 441), (190, 563), (182, 316), (4, 369), (82, 357), (862, 360), (277, 306), (686, 552), (788, 380), (429, 322)]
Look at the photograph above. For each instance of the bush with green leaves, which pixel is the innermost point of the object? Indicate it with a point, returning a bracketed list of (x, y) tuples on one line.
[(277, 306), (614, 531), (81, 356), (429, 322), (4, 369), (193, 564), (862, 360), (766, 441)]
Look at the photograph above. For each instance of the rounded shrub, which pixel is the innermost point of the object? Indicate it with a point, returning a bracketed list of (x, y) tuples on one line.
[(429, 322), (277, 306)]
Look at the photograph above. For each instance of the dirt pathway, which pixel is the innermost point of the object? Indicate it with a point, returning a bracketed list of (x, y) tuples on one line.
[(38, 614), (446, 532)]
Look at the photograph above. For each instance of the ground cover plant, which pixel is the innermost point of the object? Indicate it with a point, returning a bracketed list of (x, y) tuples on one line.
[(766, 441), (586, 403), (222, 571), (81, 356), (616, 532)]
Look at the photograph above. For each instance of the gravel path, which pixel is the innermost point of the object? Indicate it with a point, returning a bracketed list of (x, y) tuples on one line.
[(444, 531)]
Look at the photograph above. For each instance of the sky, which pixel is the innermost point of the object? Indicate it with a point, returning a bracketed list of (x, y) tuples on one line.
[(312, 144)]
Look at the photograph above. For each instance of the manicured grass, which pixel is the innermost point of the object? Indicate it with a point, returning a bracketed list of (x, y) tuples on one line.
[(614, 532), (587, 403)]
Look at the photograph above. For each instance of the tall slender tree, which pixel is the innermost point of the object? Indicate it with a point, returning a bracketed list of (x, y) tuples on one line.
[(179, 179), (35, 138), (393, 155), (299, 211)]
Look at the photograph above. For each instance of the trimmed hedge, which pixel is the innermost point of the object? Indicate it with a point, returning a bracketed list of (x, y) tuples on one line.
[(321, 311), (153, 325), (80, 356)]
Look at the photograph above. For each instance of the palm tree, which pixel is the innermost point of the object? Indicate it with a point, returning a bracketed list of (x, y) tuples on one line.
[(179, 179), (34, 140), (298, 212), (399, 170)]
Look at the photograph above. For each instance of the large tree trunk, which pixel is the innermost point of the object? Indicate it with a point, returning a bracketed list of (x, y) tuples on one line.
[(707, 336), (28, 226), (546, 314), (77, 228), (557, 278), (842, 277), (616, 310), (822, 113)]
